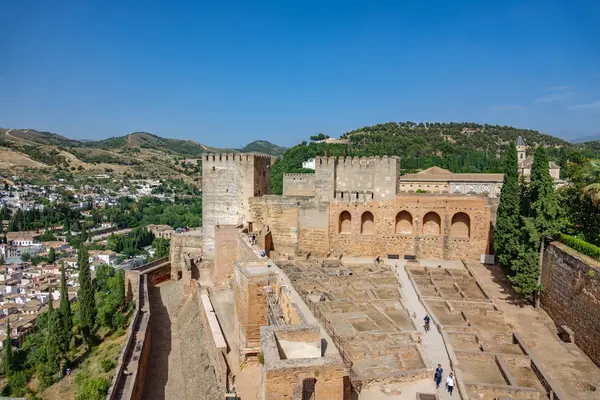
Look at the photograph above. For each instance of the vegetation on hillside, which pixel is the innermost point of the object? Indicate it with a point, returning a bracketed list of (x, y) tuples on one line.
[(262, 146), (57, 340), (149, 210), (459, 147)]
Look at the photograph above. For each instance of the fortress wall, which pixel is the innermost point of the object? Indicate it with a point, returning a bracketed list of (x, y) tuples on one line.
[(325, 173), (313, 230), (214, 339), (432, 240), (571, 295), (279, 215), (376, 175), (228, 181), (184, 245), (222, 187), (299, 184), (231, 246)]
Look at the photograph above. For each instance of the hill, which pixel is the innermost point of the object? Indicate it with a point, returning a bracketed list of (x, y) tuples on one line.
[(459, 147), (144, 140), (262, 146), (46, 156)]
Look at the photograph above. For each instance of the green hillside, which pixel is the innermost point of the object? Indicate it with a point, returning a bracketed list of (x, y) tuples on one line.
[(262, 146), (459, 147)]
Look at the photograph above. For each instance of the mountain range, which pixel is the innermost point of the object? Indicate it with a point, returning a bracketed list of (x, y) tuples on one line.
[(139, 154)]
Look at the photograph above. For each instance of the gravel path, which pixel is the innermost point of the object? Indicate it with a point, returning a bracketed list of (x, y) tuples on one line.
[(432, 343)]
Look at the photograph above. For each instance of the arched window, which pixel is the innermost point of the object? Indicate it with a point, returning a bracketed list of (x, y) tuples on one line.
[(367, 223), (461, 225), (404, 223), (432, 224), (345, 223)]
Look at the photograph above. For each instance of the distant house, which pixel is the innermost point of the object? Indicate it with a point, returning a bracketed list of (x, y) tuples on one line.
[(309, 164), (22, 239), (108, 257), (161, 231)]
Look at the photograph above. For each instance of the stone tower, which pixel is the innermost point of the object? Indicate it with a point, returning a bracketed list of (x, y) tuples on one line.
[(521, 149), (228, 181)]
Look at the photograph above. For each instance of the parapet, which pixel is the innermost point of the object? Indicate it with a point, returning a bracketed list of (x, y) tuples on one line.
[(321, 161), (369, 162), (235, 158)]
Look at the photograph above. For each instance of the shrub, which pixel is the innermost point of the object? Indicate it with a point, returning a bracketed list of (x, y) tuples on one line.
[(107, 364), (581, 246), (91, 388)]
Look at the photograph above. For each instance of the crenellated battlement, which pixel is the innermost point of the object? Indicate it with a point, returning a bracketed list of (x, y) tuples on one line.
[(348, 196), (299, 175), (321, 160), (214, 158), (368, 162)]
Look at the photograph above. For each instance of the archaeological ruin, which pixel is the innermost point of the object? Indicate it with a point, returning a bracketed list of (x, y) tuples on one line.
[(320, 294)]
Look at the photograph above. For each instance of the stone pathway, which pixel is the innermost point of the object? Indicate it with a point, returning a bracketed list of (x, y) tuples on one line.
[(433, 344)]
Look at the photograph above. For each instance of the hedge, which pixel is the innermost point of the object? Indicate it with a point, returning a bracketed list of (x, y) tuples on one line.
[(581, 246)]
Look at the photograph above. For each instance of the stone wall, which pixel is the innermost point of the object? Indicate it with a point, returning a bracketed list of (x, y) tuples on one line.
[(228, 181), (377, 176), (571, 295), (318, 378), (231, 246), (185, 247), (425, 225), (130, 374), (313, 230), (325, 176), (213, 338), (279, 215), (298, 184)]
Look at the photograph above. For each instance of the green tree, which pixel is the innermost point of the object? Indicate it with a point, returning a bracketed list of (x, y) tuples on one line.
[(65, 313), (1, 260), (85, 295), (51, 255), (162, 247), (542, 219), (8, 354), (507, 233), (52, 343)]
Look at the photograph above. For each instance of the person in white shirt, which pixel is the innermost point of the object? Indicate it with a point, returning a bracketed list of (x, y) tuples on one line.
[(450, 383)]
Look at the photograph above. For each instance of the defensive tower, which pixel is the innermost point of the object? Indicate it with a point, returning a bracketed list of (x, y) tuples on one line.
[(228, 181)]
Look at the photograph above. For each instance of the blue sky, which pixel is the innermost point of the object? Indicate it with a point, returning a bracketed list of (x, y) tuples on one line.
[(225, 73)]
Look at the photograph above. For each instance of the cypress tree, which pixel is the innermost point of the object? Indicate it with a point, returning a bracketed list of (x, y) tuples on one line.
[(8, 355), (541, 219), (65, 312), (507, 233), (52, 339), (51, 256), (85, 296)]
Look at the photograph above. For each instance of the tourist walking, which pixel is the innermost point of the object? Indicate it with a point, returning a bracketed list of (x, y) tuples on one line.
[(437, 377), (426, 319), (450, 383)]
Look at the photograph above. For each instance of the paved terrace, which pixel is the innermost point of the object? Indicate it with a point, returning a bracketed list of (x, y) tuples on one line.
[(361, 307), (489, 339)]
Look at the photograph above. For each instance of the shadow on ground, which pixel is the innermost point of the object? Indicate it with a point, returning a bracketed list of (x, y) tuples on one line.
[(157, 372)]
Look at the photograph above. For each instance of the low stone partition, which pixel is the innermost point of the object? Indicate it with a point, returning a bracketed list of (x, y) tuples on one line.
[(128, 381), (213, 338)]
